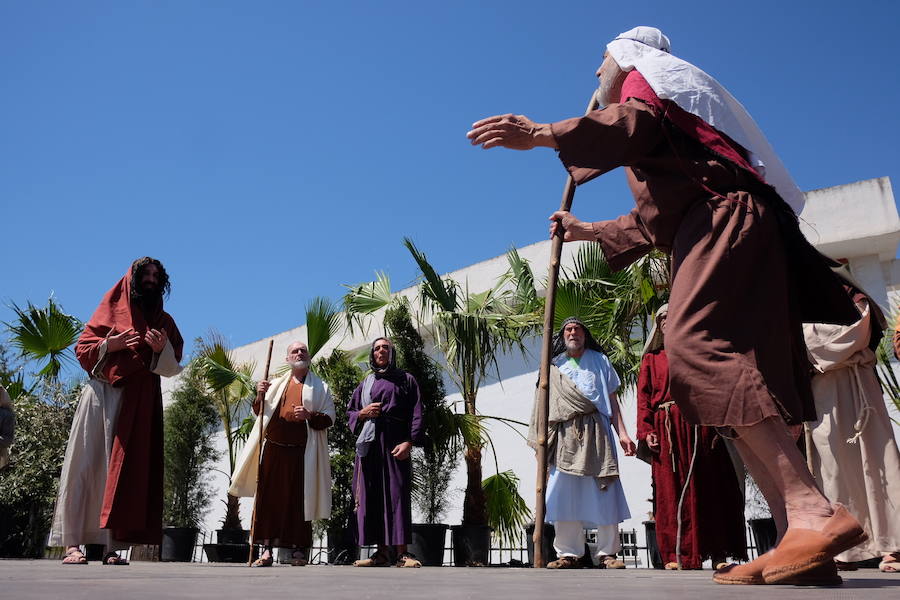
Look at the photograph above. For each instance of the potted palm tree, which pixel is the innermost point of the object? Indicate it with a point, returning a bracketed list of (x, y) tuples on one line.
[(472, 330), (190, 424), (231, 387)]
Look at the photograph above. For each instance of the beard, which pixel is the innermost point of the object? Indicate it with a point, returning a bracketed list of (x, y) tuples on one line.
[(149, 298), (574, 346), (300, 364), (610, 87)]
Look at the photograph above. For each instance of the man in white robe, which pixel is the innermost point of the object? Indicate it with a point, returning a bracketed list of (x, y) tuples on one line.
[(589, 494)]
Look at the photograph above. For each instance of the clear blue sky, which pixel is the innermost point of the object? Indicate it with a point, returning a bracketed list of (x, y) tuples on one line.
[(268, 152)]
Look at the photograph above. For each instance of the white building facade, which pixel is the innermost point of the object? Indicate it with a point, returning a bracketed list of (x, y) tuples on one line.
[(855, 223)]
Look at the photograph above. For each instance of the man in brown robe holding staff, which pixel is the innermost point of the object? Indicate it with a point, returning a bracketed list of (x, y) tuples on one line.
[(711, 191), (294, 408)]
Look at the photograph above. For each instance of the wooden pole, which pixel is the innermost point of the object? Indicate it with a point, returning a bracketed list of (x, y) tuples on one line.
[(556, 243), (259, 446)]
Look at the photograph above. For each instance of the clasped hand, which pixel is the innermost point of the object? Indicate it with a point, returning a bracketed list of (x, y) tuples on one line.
[(155, 338)]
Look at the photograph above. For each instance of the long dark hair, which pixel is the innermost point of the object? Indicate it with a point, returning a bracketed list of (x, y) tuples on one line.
[(137, 269)]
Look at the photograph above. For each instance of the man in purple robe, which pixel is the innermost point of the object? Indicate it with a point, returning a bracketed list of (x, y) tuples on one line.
[(386, 412)]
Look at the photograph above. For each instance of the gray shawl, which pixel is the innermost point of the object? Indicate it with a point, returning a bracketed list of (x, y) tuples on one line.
[(577, 440)]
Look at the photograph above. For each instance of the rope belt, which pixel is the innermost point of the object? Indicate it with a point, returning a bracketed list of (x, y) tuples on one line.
[(667, 406), (862, 411)]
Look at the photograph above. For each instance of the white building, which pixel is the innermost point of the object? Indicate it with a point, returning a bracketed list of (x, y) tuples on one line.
[(856, 223)]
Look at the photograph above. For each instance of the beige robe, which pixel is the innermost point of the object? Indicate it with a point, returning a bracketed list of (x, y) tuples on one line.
[(76, 519), (317, 464), (854, 455)]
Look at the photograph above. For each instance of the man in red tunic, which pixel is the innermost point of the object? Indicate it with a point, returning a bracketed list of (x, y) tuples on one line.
[(692, 470), (711, 191), (111, 486)]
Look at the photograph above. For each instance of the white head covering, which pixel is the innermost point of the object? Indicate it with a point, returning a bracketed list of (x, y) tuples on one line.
[(647, 50), (655, 340)]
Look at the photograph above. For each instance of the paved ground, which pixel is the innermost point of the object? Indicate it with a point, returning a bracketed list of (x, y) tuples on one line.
[(27, 579)]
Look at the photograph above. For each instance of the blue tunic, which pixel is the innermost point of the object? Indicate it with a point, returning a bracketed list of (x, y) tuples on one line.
[(576, 498)]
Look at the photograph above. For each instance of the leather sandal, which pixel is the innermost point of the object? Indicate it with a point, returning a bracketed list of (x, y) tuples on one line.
[(751, 573), (376, 560), (565, 562), (263, 562), (74, 556), (890, 563), (408, 560), (611, 562), (111, 558), (803, 550)]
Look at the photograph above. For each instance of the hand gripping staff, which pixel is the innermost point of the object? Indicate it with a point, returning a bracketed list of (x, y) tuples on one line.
[(259, 446), (556, 243)]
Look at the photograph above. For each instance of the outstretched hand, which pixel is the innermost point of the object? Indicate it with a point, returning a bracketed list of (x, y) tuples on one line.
[(516, 132)]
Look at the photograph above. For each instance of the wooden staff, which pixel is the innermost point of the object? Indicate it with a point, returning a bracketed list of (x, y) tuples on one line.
[(259, 445), (556, 243)]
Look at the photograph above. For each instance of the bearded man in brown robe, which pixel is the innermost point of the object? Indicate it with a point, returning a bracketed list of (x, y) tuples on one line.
[(111, 486), (710, 191)]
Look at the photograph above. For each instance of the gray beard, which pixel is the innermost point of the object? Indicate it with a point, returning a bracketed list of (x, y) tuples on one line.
[(300, 364), (607, 85)]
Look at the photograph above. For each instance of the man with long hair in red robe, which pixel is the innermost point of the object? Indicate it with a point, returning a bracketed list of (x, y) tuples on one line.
[(111, 486)]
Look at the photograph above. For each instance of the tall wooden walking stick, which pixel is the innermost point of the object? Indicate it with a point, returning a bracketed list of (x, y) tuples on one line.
[(556, 243), (259, 446)]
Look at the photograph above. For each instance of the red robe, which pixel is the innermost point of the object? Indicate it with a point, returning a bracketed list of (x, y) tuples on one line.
[(713, 509), (133, 498)]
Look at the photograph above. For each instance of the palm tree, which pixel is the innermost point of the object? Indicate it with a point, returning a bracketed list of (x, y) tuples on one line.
[(44, 335), (232, 387), (471, 330), (618, 307)]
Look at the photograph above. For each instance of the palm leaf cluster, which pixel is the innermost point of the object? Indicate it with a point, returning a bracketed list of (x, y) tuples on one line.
[(44, 335), (231, 386), (886, 376), (616, 306)]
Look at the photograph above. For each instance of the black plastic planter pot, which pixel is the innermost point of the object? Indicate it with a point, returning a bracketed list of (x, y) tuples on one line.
[(178, 544), (428, 541), (652, 547), (764, 533), (546, 543), (233, 536), (342, 550), (471, 545)]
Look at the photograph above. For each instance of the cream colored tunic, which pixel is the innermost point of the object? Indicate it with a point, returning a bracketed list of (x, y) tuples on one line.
[(854, 454)]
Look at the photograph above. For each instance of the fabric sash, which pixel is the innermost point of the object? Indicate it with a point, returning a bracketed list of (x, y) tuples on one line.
[(577, 440), (367, 434)]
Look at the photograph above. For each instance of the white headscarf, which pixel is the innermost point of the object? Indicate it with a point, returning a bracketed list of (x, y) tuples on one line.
[(647, 50), (655, 340)]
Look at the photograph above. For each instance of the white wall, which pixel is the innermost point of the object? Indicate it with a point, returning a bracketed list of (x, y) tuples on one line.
[(857, 222)]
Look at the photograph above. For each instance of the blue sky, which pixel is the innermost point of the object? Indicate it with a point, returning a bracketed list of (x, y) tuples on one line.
[(268, 152)]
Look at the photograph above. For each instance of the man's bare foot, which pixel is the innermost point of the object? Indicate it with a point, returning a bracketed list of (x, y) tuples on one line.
[(74, 556)]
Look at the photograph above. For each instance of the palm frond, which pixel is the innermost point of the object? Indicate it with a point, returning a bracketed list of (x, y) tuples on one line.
[(436, 293), (44, 334), (525, 297), (366, 298), (322, 323), (507, 511)]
